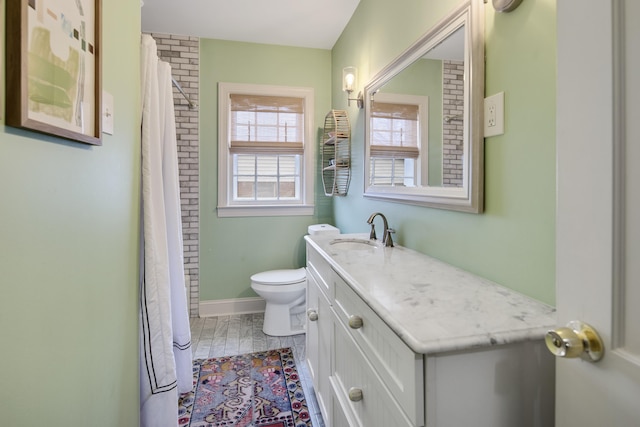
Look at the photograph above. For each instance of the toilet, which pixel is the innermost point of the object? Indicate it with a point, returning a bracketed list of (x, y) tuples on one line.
[(285, 294)]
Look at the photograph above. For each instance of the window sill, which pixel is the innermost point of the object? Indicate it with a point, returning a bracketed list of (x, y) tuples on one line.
[(277, 210)]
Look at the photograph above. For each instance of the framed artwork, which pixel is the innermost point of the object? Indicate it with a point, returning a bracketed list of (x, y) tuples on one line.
[(53, 68)]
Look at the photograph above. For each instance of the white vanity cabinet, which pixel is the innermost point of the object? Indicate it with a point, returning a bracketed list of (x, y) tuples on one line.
[(398, 339), (363, 374)]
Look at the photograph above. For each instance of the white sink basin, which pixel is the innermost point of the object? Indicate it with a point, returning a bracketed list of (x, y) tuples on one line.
[(355, 244)]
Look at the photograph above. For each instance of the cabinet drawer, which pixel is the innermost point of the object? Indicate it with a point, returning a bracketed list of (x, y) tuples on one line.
[(321, 270), (399, 367), (338, 416), (352, 371)]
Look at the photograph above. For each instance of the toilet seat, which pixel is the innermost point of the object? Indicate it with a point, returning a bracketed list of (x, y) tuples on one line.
[(279, 289), (280, 277)]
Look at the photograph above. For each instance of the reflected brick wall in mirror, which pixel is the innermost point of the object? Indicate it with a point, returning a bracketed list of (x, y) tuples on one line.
[(453, 130)]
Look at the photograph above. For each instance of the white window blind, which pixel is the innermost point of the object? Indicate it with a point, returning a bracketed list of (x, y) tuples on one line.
[(263, 124), (394, 130)]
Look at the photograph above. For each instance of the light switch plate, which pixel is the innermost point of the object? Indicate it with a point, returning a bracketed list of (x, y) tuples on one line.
[(107, 113), (494, 115)]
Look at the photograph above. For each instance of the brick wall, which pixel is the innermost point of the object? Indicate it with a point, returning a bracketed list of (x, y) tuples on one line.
[(453, 129), (183, 53)]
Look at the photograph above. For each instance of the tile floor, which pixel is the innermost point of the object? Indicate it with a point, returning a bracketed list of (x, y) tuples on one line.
[(242, 333)]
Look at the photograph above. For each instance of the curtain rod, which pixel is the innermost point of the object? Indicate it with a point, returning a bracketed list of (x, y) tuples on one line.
[(192, 105)]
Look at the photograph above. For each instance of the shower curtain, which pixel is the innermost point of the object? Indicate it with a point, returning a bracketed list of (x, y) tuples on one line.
[(165, 338)]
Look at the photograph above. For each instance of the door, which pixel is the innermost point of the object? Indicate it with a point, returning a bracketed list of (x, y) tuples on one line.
[(598, 211), (311, 336), (318, 342)]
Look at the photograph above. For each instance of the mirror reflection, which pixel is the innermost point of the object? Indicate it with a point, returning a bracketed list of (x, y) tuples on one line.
[(421, 109), (424, 111)]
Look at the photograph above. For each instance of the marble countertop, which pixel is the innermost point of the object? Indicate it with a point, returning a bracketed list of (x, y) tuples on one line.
[(433, 306)]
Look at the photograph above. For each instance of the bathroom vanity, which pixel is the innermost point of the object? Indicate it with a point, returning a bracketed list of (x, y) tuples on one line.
[(397, 338)]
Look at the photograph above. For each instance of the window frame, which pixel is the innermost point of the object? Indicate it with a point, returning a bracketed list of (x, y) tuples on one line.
[(227, 207)]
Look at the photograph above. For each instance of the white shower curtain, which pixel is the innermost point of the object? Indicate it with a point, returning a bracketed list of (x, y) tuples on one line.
[(165, 338)]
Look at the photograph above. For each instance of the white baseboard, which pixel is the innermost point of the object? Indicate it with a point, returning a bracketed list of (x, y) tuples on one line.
[(226, 307)]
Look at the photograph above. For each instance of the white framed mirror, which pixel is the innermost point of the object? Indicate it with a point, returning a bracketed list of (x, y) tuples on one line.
[(424, 140)]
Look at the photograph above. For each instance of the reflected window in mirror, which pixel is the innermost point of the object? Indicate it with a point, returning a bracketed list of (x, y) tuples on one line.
[(397, 123)]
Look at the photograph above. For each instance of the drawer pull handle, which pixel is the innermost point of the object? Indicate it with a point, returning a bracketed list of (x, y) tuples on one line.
[(312, 315), (355, 322), (355, 394)]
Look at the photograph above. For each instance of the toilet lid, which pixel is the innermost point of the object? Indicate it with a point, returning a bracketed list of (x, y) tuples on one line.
[(280, 277)]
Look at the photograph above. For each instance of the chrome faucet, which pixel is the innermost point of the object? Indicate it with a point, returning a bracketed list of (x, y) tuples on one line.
[(386, 233)]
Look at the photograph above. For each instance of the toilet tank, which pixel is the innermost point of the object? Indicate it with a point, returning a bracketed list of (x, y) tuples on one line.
[(316, 229)]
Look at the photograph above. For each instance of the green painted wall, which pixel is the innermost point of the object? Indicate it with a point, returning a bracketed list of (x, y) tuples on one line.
[(232, 249), (512, 242), (69, 257)]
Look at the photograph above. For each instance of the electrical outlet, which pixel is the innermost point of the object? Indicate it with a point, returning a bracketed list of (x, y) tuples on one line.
[(494, 115), (491, 118), (107, 113)]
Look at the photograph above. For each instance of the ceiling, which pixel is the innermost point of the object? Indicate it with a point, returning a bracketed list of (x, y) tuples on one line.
[(302, 23)]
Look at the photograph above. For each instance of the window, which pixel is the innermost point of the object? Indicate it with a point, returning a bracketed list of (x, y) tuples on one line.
[(396, 125), (265, 150), (391, 171)]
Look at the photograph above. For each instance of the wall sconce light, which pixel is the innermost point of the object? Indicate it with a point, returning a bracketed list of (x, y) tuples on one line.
[(506, 5), (349, 81)]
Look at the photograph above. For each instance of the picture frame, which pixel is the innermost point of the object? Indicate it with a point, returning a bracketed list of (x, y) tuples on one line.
[(54, 68)]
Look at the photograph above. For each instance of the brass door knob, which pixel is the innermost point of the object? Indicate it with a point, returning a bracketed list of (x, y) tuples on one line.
[(312, 315), (355, 394), (355, 322), (577, 339)]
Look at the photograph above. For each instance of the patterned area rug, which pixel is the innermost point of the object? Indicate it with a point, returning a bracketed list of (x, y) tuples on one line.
[(257, 389)]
